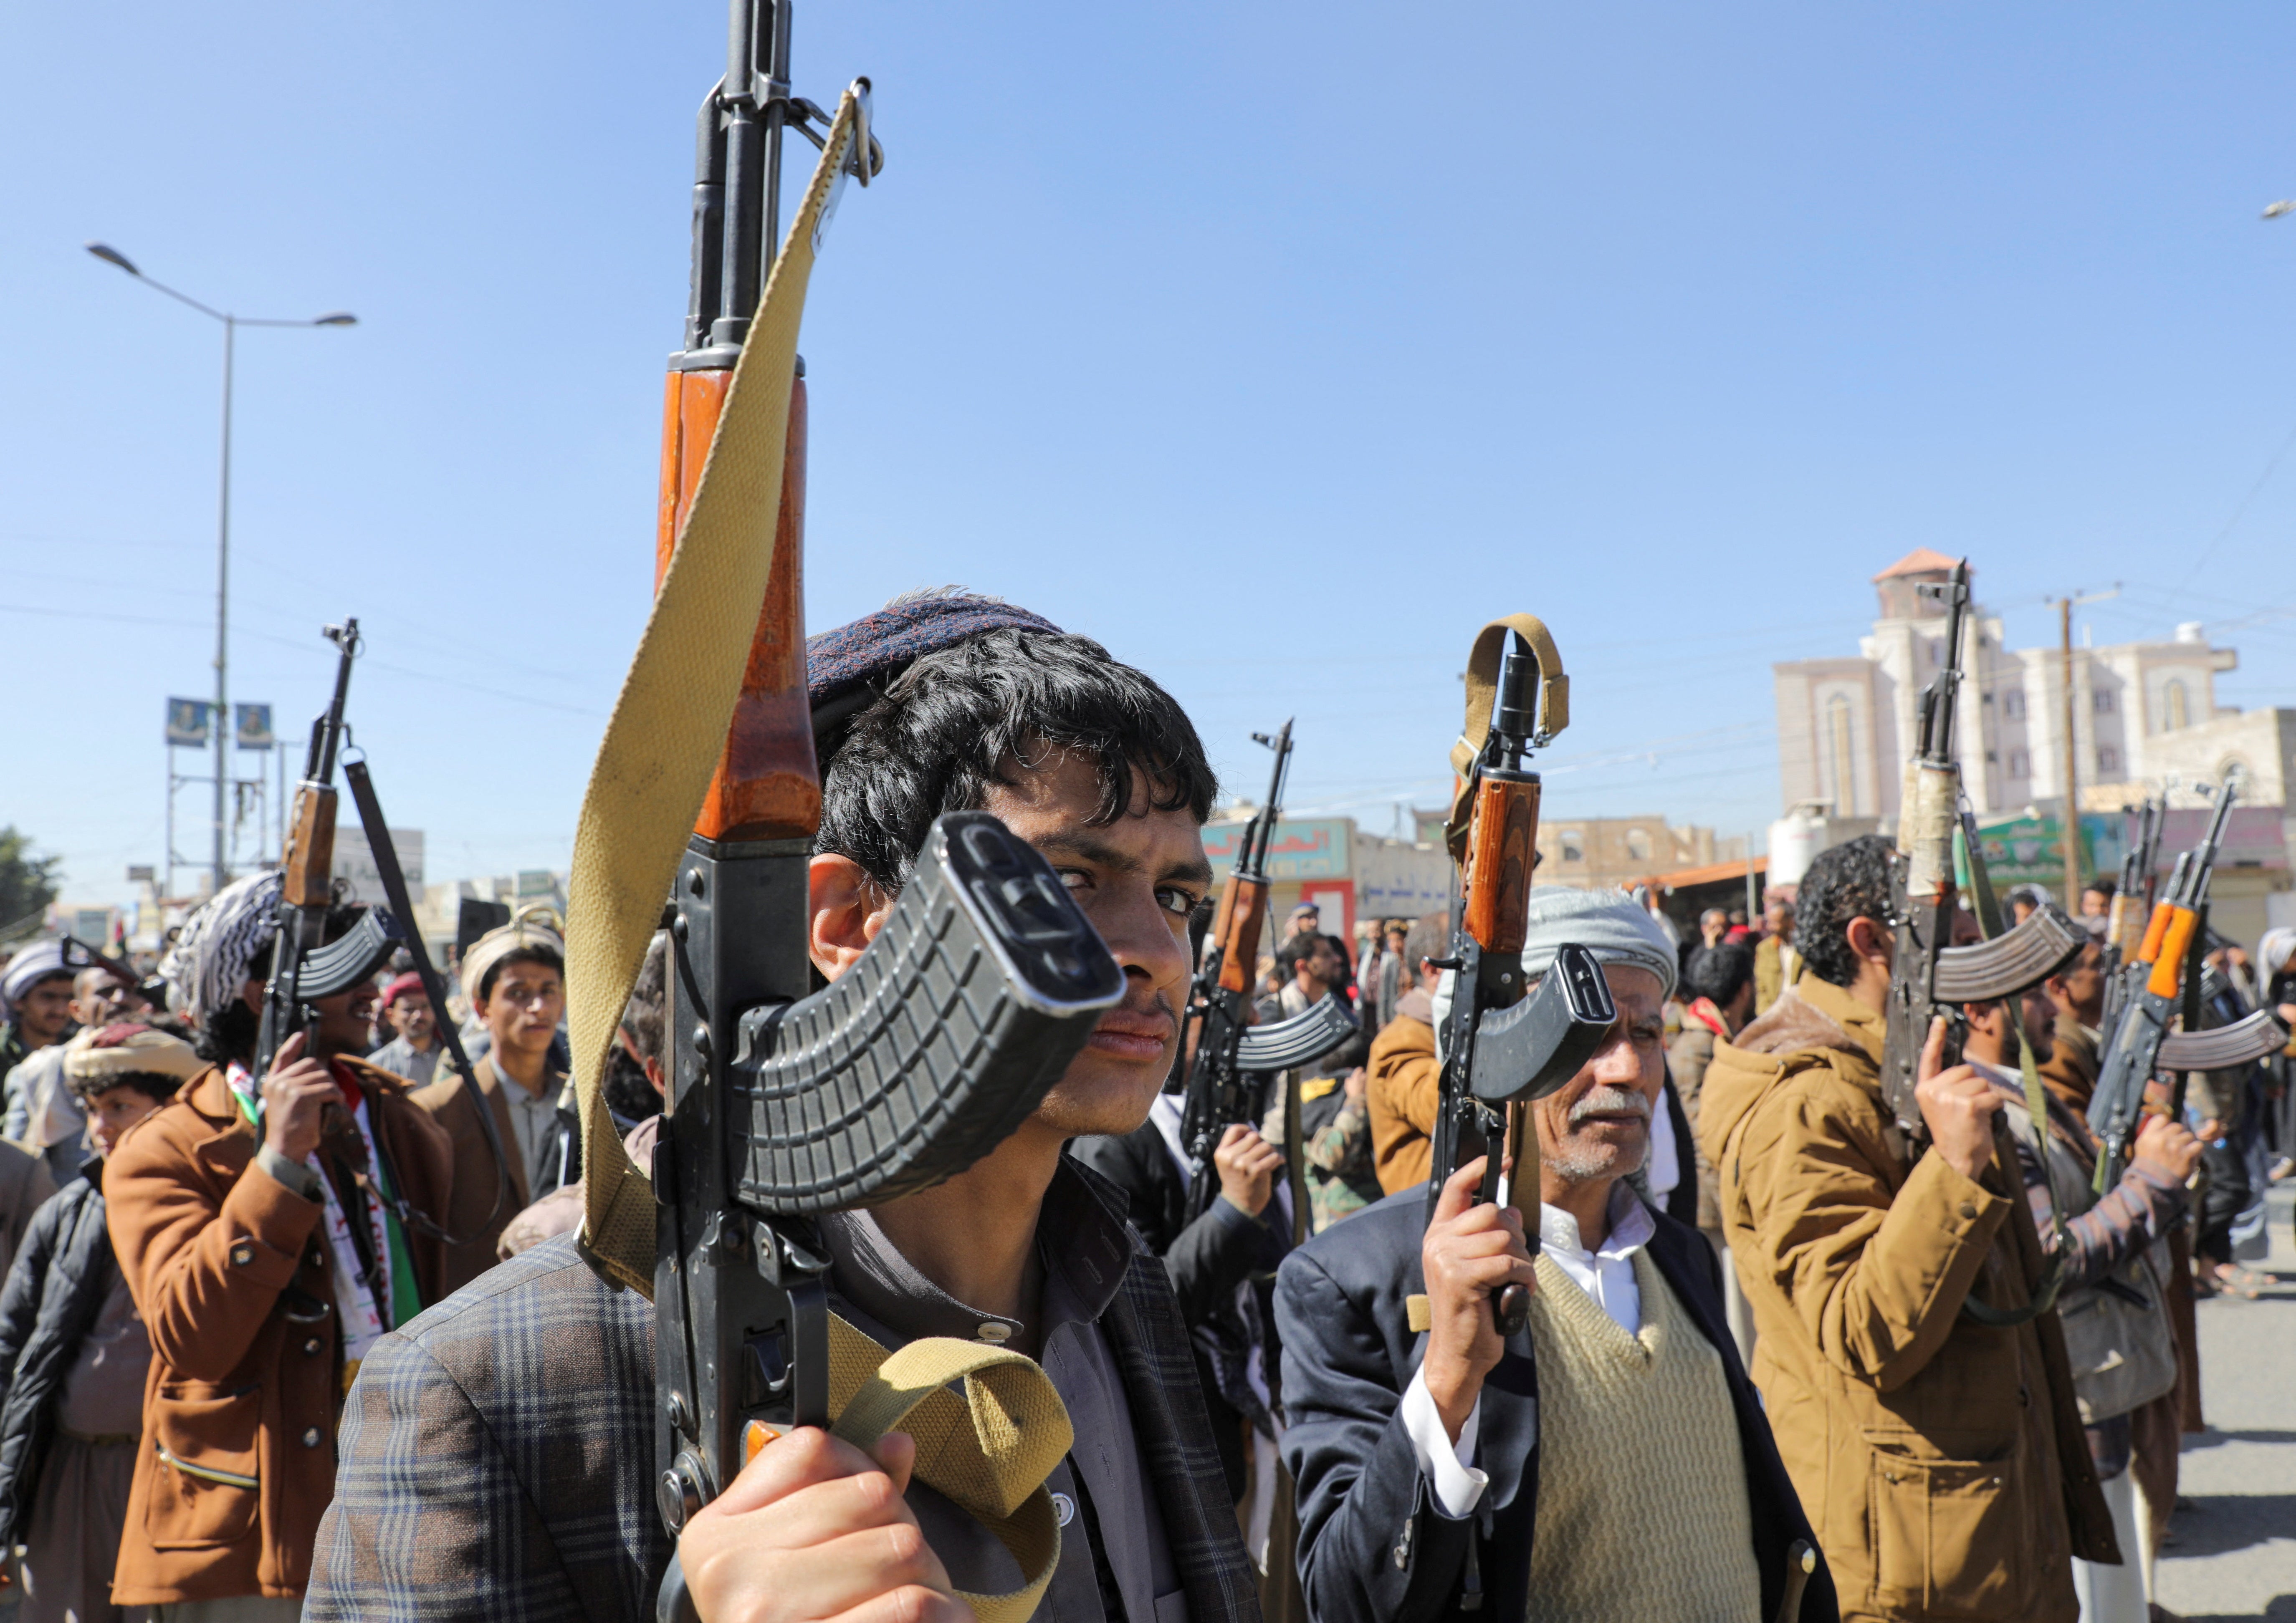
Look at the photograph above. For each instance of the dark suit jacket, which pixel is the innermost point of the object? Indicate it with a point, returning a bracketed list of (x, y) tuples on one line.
[(497, 1456), (482, 1207), (1206, 1259), (1372, 1547)]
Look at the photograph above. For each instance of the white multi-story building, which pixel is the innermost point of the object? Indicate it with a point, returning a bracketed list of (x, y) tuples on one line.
[(2143, 714)]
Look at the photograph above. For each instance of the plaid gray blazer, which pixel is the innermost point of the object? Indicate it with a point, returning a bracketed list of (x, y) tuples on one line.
[(497, 1455)]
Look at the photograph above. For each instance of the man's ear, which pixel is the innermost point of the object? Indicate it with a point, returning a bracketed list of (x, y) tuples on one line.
[(845, 910), (1871, 942)]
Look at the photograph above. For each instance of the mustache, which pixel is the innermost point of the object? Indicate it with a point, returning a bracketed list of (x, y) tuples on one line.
[(1607, 1100)]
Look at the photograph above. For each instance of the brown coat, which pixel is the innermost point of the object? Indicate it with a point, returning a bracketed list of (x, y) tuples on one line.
[(1687, 1058), (2072, 1071), (233, 1276), (480, 1209), (1402, 1085), (1942, 1462)]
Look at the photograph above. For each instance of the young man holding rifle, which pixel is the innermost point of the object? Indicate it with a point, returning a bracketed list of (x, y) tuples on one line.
[(498, 1458)]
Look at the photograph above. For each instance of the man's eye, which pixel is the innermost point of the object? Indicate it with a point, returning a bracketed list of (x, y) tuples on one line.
[(1176, 901), (1074, 879)]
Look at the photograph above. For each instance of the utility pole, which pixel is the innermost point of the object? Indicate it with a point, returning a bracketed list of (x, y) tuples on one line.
[(2065, 606)]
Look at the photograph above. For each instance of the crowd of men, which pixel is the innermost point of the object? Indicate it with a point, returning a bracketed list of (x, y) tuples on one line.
[(324, 1341)]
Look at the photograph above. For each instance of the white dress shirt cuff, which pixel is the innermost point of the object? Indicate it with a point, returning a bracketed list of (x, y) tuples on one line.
[(1458, 1486)]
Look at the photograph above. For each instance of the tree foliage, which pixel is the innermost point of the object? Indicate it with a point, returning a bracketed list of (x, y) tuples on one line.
[(28, 883)]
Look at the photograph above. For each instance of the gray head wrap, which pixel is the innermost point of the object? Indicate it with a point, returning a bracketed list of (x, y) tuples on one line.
[(207, 966), (1609, 924)]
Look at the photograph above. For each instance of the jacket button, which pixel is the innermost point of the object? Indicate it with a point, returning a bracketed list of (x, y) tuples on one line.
[(1968, 1211), (242, 1252), (310, 1437), (311, 1348)]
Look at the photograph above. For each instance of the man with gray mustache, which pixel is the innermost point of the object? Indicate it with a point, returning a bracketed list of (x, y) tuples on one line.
[(1618, 1426)]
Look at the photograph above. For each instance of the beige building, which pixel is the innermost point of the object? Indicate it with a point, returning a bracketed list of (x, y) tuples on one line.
[(2142, 711), (1595, 852)]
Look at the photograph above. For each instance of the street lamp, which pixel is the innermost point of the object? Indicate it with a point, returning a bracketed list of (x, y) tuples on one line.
[(230, 327)]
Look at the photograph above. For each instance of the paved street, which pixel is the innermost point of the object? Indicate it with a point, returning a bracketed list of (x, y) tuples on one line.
[(2236, 1555)]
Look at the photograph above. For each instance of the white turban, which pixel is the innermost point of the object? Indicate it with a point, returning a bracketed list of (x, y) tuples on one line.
[(536, 927), (129, 1049), (29, 967), (1608, 924), (207, 966), (2273, 951)]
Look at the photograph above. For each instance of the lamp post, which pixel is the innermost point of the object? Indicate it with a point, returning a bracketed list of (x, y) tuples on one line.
[(230, 327)]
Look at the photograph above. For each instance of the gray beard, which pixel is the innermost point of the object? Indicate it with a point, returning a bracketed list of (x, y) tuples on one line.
[(1578, 1162)]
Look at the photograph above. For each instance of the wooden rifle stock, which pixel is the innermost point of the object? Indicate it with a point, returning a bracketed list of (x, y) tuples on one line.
[(1235, 931), (769, 784), (307, 865), (1500, 855)]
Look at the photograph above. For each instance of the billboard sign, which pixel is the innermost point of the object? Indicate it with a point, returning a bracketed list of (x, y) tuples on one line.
[(1311, 848), (252, 725), (187, 722)]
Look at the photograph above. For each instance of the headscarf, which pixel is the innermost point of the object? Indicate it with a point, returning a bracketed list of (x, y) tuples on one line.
[(29, 967), (127, 1049), (1609, 924), (2275, 949), (535, 927), (207, 966)]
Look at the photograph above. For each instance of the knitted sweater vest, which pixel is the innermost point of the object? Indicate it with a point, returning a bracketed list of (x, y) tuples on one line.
[(1641, 1486)]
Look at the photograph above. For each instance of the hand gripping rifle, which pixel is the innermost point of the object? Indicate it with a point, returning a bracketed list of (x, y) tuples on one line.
[(1230, 1051), (2168, 963), (783, 1102), (1927, 976), (1502, 1049)]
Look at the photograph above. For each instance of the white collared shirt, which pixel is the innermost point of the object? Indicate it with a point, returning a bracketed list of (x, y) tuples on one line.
[(1605, 1273)]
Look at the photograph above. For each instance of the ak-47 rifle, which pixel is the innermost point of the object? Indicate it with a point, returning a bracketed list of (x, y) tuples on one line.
[(1230, 1051), (1503, 1050), (1927, 976), (2134, 1052), (303, 967), (784, 1103), (303, 970)]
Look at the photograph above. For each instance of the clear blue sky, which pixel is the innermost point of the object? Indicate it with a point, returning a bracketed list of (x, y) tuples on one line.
[(1278, 346)]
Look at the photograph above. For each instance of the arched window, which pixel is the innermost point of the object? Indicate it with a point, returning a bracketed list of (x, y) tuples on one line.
[(2020, 765), (2012, 704), (2176, 707), (1838, 756), (2108, 762), (1574, 844), (1638, 845)]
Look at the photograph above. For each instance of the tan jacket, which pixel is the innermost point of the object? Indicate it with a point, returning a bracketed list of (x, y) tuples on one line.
[(1402, 1084), (1776, 967), (480, 1210), (1942, 1462), (233, 1279)]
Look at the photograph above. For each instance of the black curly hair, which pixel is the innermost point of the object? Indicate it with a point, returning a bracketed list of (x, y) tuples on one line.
[(1846, 882)]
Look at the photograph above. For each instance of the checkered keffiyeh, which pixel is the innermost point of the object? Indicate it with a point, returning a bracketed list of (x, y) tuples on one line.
[(207, 966)]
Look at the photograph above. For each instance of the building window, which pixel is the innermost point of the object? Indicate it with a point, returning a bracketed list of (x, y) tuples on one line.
[(2012, 704), (1638, 845), (2102, 700), (2177, 707), (2020, 765), (2108, 762), (1838, 750), (1574, 844)]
